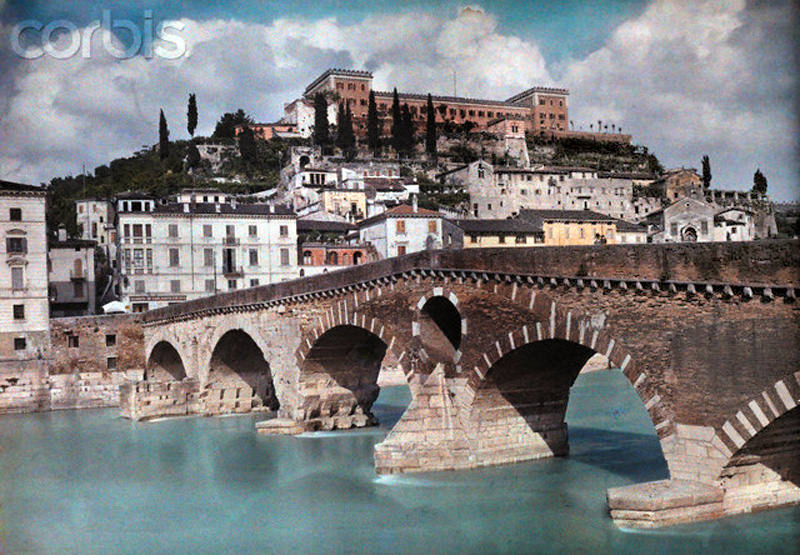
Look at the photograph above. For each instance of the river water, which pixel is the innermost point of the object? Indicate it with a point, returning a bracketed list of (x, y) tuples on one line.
[(89, 481)]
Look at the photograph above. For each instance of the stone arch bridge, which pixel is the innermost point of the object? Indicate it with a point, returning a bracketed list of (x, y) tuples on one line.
[(491, 340)]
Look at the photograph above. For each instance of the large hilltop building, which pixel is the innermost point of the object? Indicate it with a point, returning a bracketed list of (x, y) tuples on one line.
[(543, 110)]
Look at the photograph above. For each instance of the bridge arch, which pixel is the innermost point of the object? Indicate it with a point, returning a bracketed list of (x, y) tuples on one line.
[(238, 377), (439, 326), (164, 363), (762, 438)]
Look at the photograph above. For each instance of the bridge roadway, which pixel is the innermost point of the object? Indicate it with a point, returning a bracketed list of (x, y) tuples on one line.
[(491, 341)]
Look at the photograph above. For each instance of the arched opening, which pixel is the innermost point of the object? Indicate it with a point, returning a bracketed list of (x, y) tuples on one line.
[(689, 235), (519, 411), (165, 364), (304, 161), (239, 379), (440, 328), (769, 461), (340, 375), (332, 259), (306, 258), (357, 257)]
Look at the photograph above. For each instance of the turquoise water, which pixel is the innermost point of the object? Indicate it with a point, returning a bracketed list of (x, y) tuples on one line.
[(89, 481)]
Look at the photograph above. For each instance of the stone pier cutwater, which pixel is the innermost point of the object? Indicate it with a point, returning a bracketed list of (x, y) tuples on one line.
[(490, 342)]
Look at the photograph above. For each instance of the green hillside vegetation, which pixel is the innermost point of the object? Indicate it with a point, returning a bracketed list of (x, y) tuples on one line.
[(602, 156)]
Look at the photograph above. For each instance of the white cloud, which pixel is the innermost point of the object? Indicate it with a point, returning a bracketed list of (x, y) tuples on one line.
[(686, 79)]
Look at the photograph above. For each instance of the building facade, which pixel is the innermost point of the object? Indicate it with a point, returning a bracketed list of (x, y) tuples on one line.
[(403, 230), (573, 227), (96, 221), (183, 251), (24, 311), (71, 276)]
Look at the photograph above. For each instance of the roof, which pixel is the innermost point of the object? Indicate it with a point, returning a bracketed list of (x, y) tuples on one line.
[(401, 211), (451, 99), (134, 195), (519, 96), (499, 226), (386, 183), (629, 227), (323, 226), (453, 170), (339, 72), (11, 187), (626, 175), (251, 209), (71, 244), (564, 215)]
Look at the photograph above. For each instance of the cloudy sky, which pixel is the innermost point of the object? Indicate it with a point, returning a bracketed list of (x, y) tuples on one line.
[(685, 78)]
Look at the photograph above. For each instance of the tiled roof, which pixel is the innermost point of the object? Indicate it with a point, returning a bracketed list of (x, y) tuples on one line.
[(401, 211), (626, 175), (323, 226), (499, 226), (10, 186), (629, 227), (71, 244), (564, 215)]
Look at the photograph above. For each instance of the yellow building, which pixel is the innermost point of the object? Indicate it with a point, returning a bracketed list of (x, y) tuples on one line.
[(500, 233), (573, 227), (345, 202)]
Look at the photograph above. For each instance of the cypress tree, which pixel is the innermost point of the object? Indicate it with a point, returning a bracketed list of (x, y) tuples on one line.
[(373, 125), (397, 123), (430, 128), (349, 136), (247, 145), (407, 131), (163, 136), (192, 156), (191, 115), (321, 131), (759, 182), (341, 123), (706, 172)]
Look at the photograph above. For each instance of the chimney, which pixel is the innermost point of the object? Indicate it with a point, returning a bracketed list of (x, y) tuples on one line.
[(414, 203), (62, 232), (185, 207)]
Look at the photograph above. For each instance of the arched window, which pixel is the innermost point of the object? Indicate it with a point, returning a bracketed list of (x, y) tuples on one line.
[(306, 258), (357, 256), (332, 259)]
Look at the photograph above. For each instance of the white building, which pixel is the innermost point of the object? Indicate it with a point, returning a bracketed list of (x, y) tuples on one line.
[(70, 266), (300, 112), (95, 218), (734, 224), (403, 229), (183, 251), (685, 220), (24, 313)]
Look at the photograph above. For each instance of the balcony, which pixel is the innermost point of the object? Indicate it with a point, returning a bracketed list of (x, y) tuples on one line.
[(232, 271), (77, 275), (230, 241)]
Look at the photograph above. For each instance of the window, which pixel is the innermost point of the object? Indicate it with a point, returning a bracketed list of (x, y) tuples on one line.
[(73, 342), (19, 344), (77, 289), (208, 257), (16, 245), (400, 226), (17, 278), (432, 227), (401, 250), (138, 286), (253, 283), (15, 214), (489, 207), (252, 231), (111, 363), (306, 258), (501, 238), (230, 231), (209, 285), (473, 238), (231, 284), (175, 286), (284, 257), (19, 312), (254, 257), (174, 258), (111, 340), (207, 231), (284, 231), (704, 227), (173, 230), (673, 229), (521, 240)]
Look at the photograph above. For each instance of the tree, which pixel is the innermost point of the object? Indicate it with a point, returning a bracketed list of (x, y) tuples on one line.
[(706, 172), (430, 128), (407, 131), (192, 156), (397, 123), (191, 115), (226, 126), (247, 145), (759, 182), (348, 136), (373, 125), (163, 136), (322, 135)]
